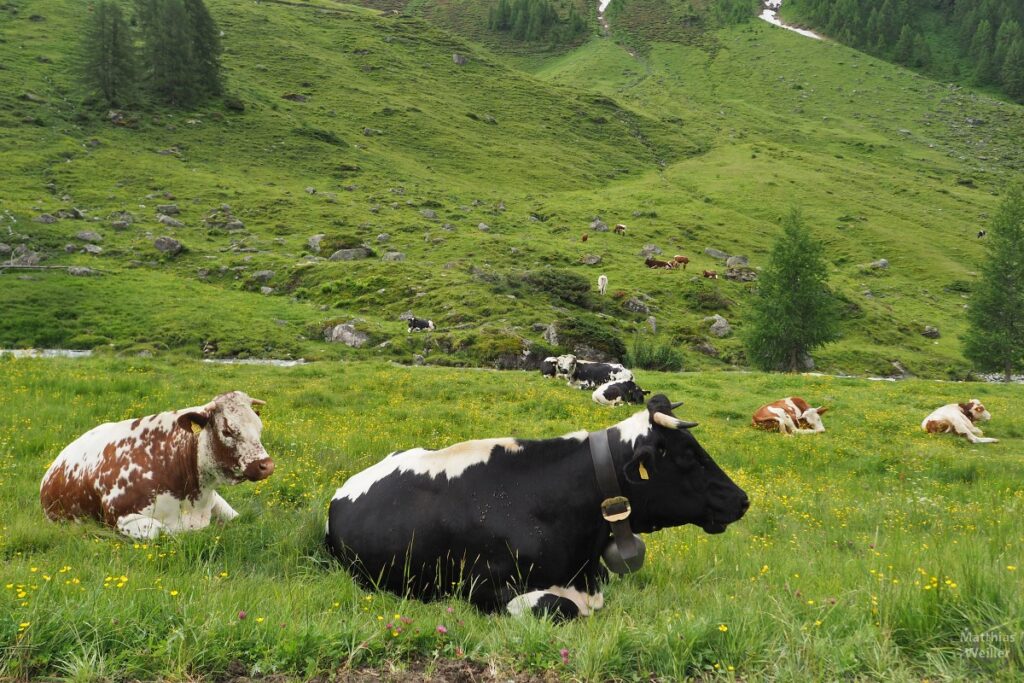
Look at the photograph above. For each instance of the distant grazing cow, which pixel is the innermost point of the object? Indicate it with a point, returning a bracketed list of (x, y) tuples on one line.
[(619, 229), (420, 325), (959, 418), (617, 392), (602, 284), (711, 274), (156, 474), (522, 525), (681, 259), (584, 237), (547, 366), (655, 263), (585, 374), (982, 233), (791, 415)]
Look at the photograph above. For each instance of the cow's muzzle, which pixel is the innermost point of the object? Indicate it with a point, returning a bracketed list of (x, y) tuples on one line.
[(717, 523), (259, 469)]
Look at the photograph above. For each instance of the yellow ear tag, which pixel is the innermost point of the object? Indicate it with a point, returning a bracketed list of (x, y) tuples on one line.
[(196, 428), (644, 474)]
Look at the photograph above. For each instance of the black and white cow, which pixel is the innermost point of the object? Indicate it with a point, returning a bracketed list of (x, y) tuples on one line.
[(419, 324), (547, 366), (585, 374), (616, 393), (516, 524)]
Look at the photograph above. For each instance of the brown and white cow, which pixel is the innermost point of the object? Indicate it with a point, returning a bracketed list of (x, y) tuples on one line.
[(791, 415), (620, 229), (711, 274), (156, 474), (959, 418), (681, 260), (656, 263)]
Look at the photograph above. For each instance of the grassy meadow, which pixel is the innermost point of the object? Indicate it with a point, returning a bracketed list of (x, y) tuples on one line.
[(871, 552), (359, 127)]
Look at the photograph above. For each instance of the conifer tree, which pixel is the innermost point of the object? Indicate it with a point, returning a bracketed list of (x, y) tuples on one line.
[(168, 50), (1013, 70), (904, 51), (1008, 32), (922, 52), (794, 311), (982, 51), (108, 61), (206, 48), (995, 339)]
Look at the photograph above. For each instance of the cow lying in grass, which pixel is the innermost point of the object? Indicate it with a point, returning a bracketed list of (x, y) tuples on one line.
[(586, 374), (522, 524), (959, 418), (157, 473), (617, 392), (790, 416)]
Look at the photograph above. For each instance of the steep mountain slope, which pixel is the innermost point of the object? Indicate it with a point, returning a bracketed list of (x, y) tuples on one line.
[(692, 145)]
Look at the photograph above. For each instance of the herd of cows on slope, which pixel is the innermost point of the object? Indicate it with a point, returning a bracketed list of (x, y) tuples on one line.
[(492, 520)]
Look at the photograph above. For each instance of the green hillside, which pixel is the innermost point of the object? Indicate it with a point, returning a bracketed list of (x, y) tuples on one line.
[(358, 124)]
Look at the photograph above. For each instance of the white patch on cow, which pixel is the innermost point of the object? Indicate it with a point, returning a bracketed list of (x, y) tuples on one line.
[(580, 436), (139, 526), (634, 427), (814, 420), (451, 462), (586, 604)]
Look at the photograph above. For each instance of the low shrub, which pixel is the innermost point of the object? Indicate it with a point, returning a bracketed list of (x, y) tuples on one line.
[(649, 354)]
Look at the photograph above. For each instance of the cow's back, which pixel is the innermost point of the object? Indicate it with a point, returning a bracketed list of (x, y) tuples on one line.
[(73, 485)]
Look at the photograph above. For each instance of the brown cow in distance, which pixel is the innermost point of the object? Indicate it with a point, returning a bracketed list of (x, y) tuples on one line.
[(681, 259), (655, 263), (711, 274), (792, 415), (619, 229)]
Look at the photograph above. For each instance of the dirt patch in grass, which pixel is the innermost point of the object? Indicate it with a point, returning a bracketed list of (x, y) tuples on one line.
[(417, 671)]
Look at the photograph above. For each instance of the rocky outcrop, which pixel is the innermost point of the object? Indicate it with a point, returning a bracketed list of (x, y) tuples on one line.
[(346, 333)]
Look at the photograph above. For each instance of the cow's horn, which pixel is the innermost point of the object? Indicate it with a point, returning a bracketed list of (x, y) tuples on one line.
[(676, 404), (669, 422), (257, 402)]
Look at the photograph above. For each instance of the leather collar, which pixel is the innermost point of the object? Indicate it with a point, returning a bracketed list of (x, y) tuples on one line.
[(615, 507)]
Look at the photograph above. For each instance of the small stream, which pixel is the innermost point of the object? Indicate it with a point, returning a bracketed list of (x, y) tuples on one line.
[(770, 13)]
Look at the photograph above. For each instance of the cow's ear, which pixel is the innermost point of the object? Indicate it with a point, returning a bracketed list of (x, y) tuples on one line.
[(639, 467), (196, 420), (193, 421), (822, 410)]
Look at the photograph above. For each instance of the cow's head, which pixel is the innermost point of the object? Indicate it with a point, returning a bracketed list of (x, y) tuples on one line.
[(632, 393), (565, 365), (229, 431), (975, 411), (670, 479), (811, 419)]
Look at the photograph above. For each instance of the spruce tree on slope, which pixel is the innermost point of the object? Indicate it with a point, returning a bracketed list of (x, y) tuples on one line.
[(794, 311), (1013, 70), (168, 52), (206, 48), (995, 338), (108, 61)]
